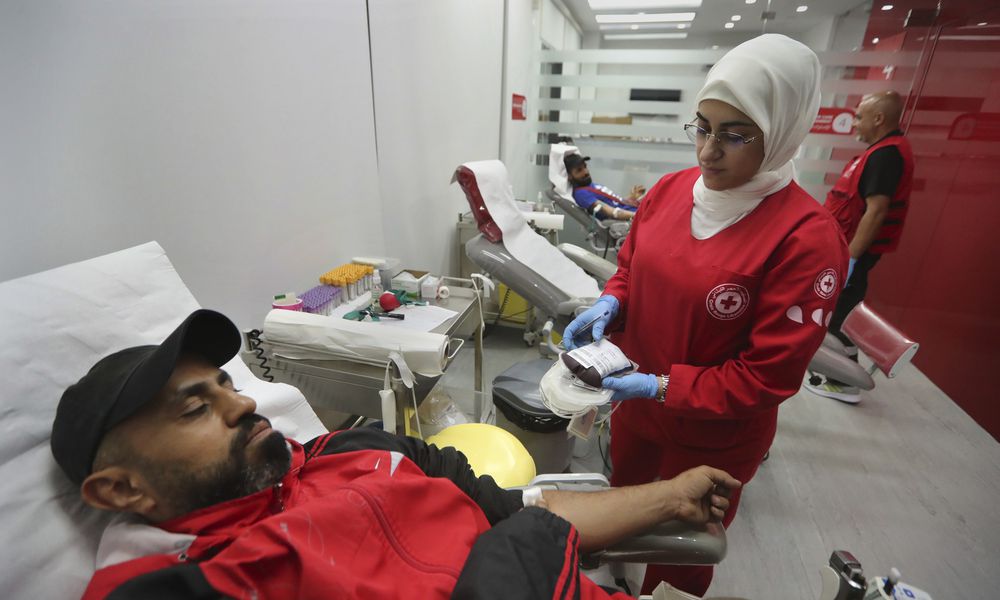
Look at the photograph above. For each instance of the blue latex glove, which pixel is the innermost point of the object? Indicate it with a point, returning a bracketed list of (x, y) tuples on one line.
[(600, 314), (850, 269), (635, 385)]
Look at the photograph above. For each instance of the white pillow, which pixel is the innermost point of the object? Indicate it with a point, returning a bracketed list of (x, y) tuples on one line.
[(55, 325)]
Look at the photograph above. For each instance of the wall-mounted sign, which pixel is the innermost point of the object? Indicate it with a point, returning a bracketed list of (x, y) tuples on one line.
[(519, 108), (833, 120)]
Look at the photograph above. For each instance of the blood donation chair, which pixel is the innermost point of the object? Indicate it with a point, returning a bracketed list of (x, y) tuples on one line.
[(56, 325), (888, 348), (507, 249), (602, 235)]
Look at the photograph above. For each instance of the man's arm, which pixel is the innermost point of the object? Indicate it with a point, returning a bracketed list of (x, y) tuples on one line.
[(619, 214), (606, 517), (871, 222)]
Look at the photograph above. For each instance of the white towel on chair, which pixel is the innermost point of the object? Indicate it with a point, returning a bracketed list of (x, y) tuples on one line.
[(525, 245)]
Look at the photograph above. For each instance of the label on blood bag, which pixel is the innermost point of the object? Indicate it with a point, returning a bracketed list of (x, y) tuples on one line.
[(603, 356)]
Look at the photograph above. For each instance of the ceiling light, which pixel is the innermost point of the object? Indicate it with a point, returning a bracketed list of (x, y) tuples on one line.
[(642, 27), (642, 4), (650, 18), (645, 36), (735, 18), (730, 25), (874, 40), (751, 1), (802, 8), (984, 23), (715, 47), (886, 7), (682, 26)]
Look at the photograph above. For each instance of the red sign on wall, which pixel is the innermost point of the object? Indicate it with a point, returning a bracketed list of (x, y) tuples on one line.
[(833, 120), (519, 108)]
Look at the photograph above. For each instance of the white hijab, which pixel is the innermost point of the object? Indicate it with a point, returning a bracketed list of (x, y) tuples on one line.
[(774, 80)]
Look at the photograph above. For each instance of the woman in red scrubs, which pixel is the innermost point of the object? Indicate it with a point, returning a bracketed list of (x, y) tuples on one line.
[(725, 284)]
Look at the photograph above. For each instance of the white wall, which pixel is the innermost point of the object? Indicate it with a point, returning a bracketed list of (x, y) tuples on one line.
[(437, 77), (238, 134), (520, 70)]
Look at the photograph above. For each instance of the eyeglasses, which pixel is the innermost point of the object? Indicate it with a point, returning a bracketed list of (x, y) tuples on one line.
[(727, 139)]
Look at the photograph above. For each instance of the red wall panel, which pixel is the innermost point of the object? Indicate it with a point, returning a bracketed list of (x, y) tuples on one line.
[(942, 286)]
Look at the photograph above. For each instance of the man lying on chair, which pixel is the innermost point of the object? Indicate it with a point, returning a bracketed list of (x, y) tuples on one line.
[(596, 199), (229, 507)]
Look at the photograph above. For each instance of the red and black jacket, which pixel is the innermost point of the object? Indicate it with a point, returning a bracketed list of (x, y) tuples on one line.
[(362, 514)]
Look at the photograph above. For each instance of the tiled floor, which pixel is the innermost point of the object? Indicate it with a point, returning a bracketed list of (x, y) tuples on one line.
[(904, 479)]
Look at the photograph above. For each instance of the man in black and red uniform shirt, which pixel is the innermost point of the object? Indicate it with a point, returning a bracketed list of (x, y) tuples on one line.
[(870, 201), (225, 506)]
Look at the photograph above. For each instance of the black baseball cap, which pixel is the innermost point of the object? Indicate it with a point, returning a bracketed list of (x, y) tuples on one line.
[(122, 383), (573, 161)]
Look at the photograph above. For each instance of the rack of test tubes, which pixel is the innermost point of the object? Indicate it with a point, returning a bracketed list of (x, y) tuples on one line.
[(322, 299), (353, 279)]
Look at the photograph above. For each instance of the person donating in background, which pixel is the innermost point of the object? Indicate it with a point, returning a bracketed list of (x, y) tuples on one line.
[(599, 200), (725, 284)]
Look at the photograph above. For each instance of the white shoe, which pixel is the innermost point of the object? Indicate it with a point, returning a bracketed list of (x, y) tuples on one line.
[(837, 391)]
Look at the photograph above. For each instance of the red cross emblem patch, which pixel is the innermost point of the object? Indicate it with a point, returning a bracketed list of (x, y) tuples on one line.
[(825, 284), (727, 301)]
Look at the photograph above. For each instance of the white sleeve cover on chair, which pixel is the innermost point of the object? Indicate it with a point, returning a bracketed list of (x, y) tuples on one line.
[(529, 248), (557, 169), (425, 353)]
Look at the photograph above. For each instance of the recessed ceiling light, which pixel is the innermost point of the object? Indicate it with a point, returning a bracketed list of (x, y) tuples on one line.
[(735, 18), (874, 40), (751, 1), (715, 47), (645, 36), (641, 26), (886, 7), (650, 18), (730, 25), (802, 8), (682, 26), (642, 4)]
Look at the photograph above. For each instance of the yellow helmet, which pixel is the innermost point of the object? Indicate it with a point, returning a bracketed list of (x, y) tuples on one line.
[(490, 451)]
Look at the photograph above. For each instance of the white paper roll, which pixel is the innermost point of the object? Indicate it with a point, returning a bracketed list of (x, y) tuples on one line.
[(425, 353), (443, 292), (544, 220)]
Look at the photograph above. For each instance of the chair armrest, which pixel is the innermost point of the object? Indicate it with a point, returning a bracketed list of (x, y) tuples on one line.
[(833, 342), (835, 365), (561, 481), (668, 543), (569, 308)]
